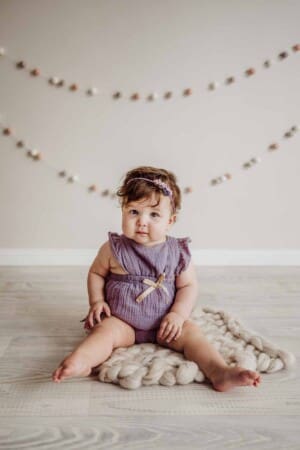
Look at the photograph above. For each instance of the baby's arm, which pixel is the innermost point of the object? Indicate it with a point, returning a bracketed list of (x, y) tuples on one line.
[(95, 284), (186, 294)]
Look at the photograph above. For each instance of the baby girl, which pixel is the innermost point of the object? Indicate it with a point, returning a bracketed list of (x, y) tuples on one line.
[(142, 287)]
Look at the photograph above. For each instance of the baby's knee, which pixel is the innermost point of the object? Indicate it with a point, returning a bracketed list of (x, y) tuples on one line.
[(102, 327), (190, 328), (118, 332)]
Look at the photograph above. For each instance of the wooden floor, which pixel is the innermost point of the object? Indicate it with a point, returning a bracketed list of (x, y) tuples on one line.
[(39, 324)]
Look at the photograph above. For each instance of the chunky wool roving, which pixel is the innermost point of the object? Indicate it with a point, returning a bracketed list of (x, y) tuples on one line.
[(148, 364)]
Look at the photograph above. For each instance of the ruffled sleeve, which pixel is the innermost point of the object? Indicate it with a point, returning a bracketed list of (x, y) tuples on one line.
[(184, 255), (115, 241)]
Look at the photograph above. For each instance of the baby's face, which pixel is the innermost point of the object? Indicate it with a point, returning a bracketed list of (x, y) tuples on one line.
[(146, 222)]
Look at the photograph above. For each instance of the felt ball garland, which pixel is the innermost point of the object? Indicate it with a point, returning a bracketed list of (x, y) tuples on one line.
[(71, 178), (74, 87), (135, 97)]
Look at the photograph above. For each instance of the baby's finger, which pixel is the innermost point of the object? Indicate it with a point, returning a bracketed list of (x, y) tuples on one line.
[(91, 320), (169, 332), (162, 329), (106, 309), (87, 325), (166, 331), (177, 335), (172, 334), (97, 316)]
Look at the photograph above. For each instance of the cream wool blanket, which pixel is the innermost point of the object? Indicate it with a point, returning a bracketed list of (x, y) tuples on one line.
[(148, 364)]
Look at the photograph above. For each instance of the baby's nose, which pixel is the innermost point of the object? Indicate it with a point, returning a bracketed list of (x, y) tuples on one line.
[(142, 220)]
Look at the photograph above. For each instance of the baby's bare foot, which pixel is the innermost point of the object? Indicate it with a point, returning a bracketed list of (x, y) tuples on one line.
[(72, 366), (228, 378)]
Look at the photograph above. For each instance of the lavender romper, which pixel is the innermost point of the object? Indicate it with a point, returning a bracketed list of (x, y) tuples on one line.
[(150, 278)]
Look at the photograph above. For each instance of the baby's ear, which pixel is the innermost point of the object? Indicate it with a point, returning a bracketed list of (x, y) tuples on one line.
[(172, 219)]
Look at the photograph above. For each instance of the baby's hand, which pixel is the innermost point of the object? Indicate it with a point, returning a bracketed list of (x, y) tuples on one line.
[(94, 315), (170, 327)]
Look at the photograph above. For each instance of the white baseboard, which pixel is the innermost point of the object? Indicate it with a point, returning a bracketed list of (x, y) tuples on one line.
[(223, 257), (46, 257), (207, 257)]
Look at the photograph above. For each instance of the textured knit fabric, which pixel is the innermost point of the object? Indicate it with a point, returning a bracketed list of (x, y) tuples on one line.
[(140, 262)]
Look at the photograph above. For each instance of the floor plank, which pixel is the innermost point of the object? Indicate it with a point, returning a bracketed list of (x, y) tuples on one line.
[(39, 323)]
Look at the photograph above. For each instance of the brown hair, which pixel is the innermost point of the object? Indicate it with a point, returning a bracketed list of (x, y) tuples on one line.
[(135, 189)]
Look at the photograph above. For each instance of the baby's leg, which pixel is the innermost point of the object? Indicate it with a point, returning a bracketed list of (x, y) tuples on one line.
[(96, 348), (196, 348)]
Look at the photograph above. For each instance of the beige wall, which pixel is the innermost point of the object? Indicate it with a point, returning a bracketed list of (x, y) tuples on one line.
[(146, 46)]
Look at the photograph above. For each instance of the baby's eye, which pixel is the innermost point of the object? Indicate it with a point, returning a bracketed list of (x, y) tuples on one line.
[(133, 212), (154, 215)]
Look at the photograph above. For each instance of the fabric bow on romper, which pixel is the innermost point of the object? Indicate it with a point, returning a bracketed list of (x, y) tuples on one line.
[(146, 293)]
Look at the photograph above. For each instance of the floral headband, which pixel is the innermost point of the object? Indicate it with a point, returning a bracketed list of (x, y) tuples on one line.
[(166, 190)]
